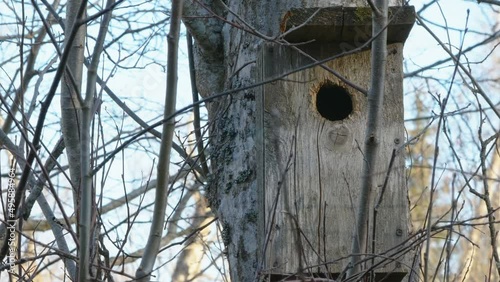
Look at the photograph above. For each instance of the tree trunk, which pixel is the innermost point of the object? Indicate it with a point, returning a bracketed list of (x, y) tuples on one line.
[(71, 83), (225, 57), (188, 264), (70, 92)]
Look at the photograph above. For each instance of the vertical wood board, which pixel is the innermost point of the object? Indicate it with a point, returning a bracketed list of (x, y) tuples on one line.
[(310, 167)]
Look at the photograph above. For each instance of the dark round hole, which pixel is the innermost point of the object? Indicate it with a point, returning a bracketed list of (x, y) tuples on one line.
[(333, 102)]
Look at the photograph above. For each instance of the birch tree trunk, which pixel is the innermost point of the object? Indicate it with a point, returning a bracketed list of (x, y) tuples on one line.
[(226, 48)]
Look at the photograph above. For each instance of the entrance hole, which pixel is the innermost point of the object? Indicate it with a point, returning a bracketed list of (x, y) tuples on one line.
[(333, 102)]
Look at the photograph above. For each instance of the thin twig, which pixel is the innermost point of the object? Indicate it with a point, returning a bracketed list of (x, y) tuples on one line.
[(478, 89)]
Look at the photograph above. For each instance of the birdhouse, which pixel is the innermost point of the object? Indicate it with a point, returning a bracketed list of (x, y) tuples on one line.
[(312, 118)]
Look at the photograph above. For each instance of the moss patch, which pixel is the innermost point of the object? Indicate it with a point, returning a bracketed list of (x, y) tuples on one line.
[(252, 217), (363, 15), (226, 233), (244, 176), (242, 253)]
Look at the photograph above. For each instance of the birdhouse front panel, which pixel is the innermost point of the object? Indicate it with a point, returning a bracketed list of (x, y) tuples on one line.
[(311, 129)]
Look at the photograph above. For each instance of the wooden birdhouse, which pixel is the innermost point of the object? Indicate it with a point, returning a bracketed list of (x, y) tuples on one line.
[(311, 126)]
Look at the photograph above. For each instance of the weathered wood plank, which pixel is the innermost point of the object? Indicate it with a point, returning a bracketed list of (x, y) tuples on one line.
[(311, 167), (344, 24)]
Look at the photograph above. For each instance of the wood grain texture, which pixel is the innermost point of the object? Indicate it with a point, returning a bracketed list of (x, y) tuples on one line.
[(344, 24), (310, 168)]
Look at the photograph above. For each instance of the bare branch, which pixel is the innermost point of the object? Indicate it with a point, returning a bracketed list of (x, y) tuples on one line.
[(153, 245)]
